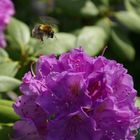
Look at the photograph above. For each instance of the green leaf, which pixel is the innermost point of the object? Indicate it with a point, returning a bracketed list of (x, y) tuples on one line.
[(71, 6), (5, 133), (121, 44), (92, 38), (128, 6), (14, 49), (62, 43), (7, 103), (8, 83), (101, 2), (137, 103), (3, 55), (132, 6), (129, 19), (106, 24), (89, 9), (77, 7), (7, 114), (103, 6), (18, 38), (34, 46), (105, 2), (19, 31), (9, 68)]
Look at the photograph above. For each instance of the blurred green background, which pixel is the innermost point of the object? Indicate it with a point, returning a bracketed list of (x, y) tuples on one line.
[(92, 24)]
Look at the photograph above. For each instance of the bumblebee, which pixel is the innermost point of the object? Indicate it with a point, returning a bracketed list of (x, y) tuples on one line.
[(41, 30), (45, 29)]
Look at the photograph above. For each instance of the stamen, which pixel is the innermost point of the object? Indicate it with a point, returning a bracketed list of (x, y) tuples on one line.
[(103, 52), (31, 67)]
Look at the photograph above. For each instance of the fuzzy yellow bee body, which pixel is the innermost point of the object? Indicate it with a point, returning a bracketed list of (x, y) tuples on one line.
[(41, 30)]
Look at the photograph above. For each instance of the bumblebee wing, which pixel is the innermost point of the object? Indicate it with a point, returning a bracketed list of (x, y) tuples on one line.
[(49, 20)]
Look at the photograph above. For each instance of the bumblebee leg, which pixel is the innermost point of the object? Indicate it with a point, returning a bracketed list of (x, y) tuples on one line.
[(41, 38)]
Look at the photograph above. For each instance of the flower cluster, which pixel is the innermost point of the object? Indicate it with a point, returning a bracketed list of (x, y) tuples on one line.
[(77, 97), (6, 11)]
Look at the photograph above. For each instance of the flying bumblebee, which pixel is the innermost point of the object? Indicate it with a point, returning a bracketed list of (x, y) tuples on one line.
[(41, 30)]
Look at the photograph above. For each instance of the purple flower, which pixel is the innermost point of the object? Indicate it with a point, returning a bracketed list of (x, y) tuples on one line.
[(6, 11), (77, 97)]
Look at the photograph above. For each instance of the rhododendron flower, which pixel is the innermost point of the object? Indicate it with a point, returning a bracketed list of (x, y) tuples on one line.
[(6, 11), (77, 97)]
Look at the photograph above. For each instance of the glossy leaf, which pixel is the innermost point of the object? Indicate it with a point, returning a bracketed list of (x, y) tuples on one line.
[(6, 102), (92, 38), (9, 68), (105, 2), (106, 24), (129, 6), (7, 114), (19, 31), (102, 5), (62, 43), (14, 49), (3, 55), (18, 38), (89, 9), (122, 45), (129, 19), (137, 102), (132, 6), (8, 83), (78, 7), (101, 2)]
